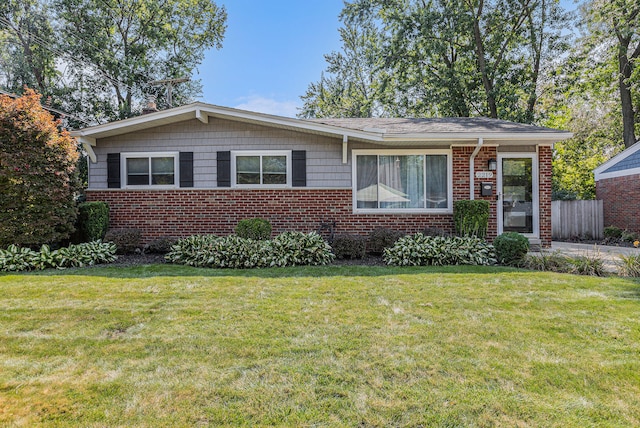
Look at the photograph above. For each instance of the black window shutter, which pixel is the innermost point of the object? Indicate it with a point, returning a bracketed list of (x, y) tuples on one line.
[(113, 170), (224, 169), (186, 169), (299, 168)]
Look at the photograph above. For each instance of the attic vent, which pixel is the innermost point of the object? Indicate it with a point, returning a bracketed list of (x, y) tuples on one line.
[(378, 130)]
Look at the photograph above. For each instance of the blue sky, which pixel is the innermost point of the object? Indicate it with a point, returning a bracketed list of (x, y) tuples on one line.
[(271, 52)]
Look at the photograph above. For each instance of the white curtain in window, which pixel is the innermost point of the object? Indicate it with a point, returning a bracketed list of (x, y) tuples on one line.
[(436, 178)]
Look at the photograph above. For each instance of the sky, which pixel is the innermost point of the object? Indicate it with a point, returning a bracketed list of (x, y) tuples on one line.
[(272, 51)]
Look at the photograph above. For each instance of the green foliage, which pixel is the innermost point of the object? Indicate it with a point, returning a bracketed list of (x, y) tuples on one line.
[(423, 59), (37, 174), (629, 236), (511, 248), (421, 250), (286, 249), (471, 217), (161, 245), (380, 239), (629, 265), (254, 228), (591, 265), (612, 232), (15, 259), (93, 221), (349, 246), (126, 240)]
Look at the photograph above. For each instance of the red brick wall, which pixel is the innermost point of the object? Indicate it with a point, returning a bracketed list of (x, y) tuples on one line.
[(544, 180), (621, 201), (184, 212)]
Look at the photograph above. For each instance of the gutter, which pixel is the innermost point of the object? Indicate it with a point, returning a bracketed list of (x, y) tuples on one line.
[(472, 172)]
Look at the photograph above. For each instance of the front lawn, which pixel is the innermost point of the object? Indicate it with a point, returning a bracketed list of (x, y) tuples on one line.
[(318, 346)]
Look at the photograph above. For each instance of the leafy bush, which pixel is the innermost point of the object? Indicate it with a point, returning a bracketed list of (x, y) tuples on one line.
[(612, 232), (382, 238), (471, 217), (161, 245), (435, 231), (127, 240), (286, 249), (93, 221), (629, 265), (628, 236), (349, 246), (421, 250), (15, 259), (37, 174), (587, 265), (254, 228), (511, 248)]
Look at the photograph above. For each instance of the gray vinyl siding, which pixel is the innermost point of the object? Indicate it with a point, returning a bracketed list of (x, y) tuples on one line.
[(324, 154)]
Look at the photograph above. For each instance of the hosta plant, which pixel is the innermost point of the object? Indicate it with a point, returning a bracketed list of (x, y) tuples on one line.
[(421, 250), (15, 259)]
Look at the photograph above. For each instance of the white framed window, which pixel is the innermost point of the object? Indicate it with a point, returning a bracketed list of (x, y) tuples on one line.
[(150, 169), (402, 181), (270, 168)]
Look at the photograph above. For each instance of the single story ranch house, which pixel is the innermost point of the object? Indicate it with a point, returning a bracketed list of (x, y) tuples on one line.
[(200, 168)]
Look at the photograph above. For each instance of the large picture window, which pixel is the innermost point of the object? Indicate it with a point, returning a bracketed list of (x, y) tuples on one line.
[(149, 169), (261, 168), (402, 181)]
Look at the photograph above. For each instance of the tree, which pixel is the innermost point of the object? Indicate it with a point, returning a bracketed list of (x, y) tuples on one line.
[(24, 60), (116, 47), (615, 25), (37, 174), (459, 57)]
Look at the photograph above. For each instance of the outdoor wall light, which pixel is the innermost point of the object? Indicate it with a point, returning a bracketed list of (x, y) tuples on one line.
[(493, 165)]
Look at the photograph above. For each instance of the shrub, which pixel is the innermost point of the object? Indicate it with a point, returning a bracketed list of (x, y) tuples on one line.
[(612, 232), (127, 240), (471, 217), (587, 265), (511, 248), (161, 245), (547, 261), (382, 238), (629, 265), (628, 236), (93, 221), (349, 246), (254, 228), (286, 249), (435, 231), (37, 174), (421, 250), (15, 259)]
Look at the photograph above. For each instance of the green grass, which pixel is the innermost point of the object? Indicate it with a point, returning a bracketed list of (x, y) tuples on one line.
[(157, 346)]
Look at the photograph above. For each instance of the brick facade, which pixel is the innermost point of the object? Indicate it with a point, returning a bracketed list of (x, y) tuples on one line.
[(544, 183), (621, 197)]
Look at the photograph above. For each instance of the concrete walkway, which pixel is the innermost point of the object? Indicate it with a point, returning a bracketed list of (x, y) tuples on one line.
[(610, 255)]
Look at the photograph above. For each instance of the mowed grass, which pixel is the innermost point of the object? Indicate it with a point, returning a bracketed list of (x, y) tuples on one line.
[(169, 346)]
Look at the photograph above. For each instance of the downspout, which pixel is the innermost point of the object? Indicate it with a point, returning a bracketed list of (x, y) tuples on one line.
[(472, 172)]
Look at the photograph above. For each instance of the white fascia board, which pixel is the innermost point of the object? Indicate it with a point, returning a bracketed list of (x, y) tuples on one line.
[(599, 171)]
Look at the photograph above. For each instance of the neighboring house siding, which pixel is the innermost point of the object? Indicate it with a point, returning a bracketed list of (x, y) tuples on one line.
[(324, 155), (621, 199)]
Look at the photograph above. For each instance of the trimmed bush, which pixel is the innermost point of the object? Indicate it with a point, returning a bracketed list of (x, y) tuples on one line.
[(511, 248), (254, 228), (421, 250), (349, 246), (612, 232), (93, 221), (381, 239), (471, 217), (161, 245), (15, 259), (127, 240), (286, 249)]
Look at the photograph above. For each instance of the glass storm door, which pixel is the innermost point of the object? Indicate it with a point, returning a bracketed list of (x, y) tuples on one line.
[(518, 189)]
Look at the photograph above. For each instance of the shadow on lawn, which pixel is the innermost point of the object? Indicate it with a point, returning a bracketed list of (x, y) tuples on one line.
[(171, 270)]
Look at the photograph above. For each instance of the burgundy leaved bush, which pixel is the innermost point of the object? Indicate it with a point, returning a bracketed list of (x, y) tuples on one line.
[(37, 174)]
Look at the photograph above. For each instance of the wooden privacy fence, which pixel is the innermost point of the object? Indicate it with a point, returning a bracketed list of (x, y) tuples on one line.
[(570, 219)]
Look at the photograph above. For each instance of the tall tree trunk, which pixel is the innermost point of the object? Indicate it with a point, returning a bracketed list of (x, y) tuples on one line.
[(482, 64)]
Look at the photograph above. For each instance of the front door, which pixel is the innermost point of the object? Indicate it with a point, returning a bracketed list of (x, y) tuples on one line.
[(518, 194)]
